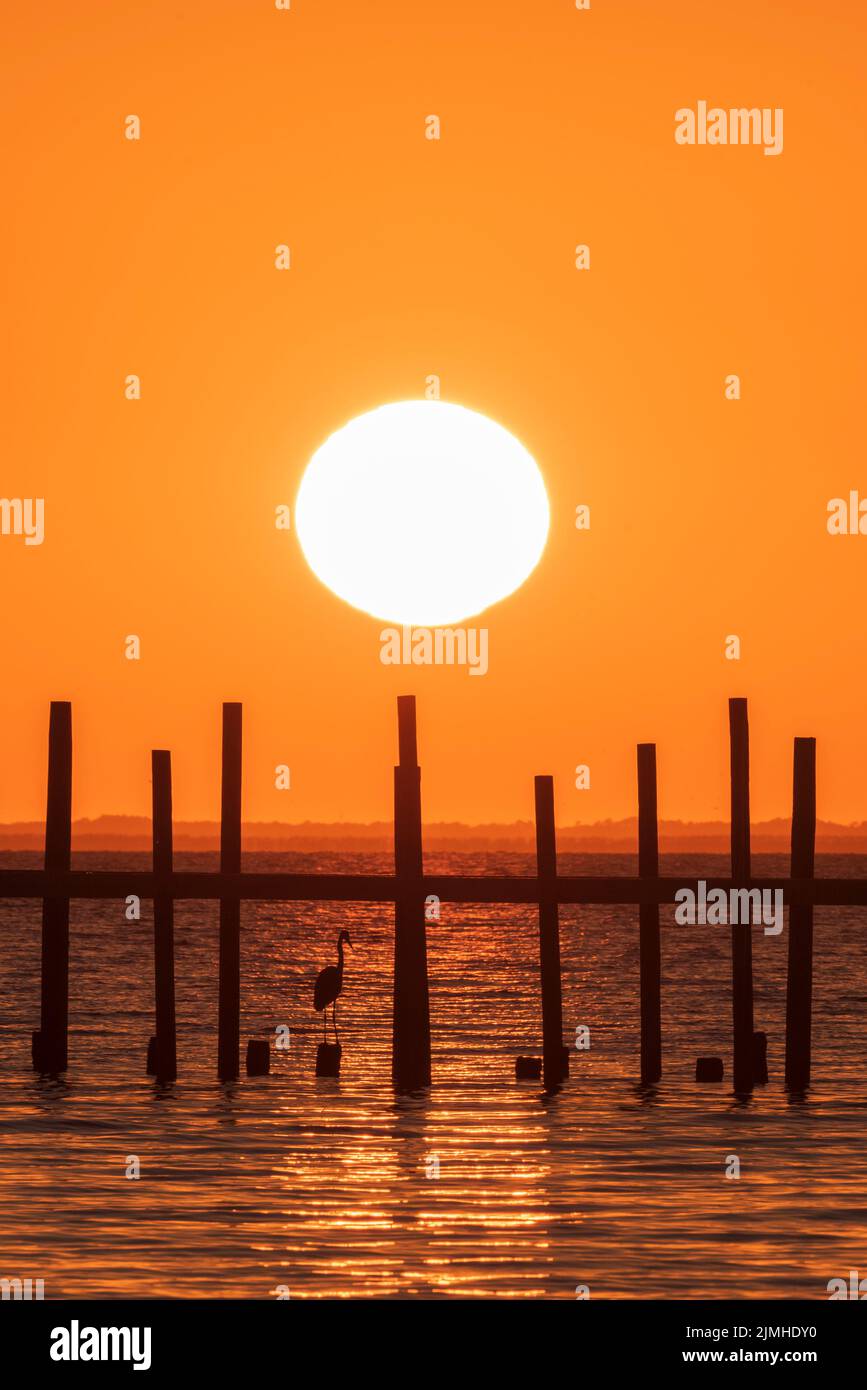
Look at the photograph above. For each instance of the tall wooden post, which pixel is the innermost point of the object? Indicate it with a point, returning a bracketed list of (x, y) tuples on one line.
[(741, 932), (410, 1057), (50, 1046), (164, 919), (230, 908), (648, 919), (799, 988), (555, 1059)]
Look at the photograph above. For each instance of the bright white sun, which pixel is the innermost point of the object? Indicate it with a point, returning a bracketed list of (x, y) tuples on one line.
[(422, 513)]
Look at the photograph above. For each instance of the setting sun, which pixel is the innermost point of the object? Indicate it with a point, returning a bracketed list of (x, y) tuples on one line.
[(422, 513)]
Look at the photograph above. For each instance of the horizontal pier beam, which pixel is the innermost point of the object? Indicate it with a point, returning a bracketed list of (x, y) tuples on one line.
[(382, 888)]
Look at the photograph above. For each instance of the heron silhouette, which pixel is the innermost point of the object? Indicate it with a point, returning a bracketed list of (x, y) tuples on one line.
[(329, 984)]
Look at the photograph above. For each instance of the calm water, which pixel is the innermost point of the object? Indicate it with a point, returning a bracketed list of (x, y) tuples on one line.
[(322, 1186)]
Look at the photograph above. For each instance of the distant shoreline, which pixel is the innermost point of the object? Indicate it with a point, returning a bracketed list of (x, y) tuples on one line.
[(614, 837)]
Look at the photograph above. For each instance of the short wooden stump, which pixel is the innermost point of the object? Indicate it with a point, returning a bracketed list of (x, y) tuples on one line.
[(709, 1069), (47, 1057), (258, 1057), (328, 1059), (37, 1051), (528, 1068)]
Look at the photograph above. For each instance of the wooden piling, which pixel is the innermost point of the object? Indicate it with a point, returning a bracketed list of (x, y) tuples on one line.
[(799, 987), (528, 1068), (230, 908), (741, 932), (50, 1048), (164, 919), (555, 1059), (648, 919), (411, 1067), (328, 1059), (258, 1057)]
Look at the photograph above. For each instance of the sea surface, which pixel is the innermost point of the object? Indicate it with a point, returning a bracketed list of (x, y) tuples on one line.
[(329, 1188)]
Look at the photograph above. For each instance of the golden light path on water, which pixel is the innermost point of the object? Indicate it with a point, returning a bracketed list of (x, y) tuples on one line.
[(321, 1186)]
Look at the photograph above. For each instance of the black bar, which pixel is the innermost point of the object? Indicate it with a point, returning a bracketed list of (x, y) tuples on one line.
[(187, 1338)]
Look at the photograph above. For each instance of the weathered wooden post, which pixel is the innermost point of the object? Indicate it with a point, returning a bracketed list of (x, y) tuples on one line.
[(410, 1057), (258, 1057), (648, 919), (50, 1043), (555, 1058), (166, 1060), (741, 932), (230, 907), (799, 987)]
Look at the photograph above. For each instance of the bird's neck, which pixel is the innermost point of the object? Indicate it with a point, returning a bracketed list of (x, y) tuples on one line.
[(340, 955)]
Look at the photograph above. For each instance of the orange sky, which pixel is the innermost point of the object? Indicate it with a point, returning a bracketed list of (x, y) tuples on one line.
[(412, 257)]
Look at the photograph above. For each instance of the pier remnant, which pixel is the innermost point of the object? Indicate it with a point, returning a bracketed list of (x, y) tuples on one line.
[(741, 932), (555, 1057), (258, 1057), (166, 1059), (648, 919), (328, 1059), (528, 1068), (229, 1023), (50, 1048), (411, 1068), (799, 984)]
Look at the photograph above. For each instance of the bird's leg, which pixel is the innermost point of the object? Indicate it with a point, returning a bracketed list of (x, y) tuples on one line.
[(334, 1019), (325, 1024)]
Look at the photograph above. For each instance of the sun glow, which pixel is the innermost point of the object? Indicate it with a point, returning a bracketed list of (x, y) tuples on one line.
[(422, 513)]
